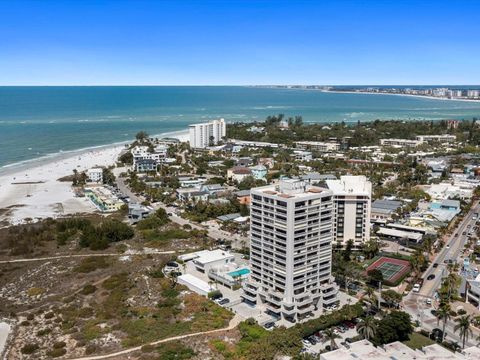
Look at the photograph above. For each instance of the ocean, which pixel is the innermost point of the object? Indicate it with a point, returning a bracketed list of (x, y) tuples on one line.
[(43, 121)]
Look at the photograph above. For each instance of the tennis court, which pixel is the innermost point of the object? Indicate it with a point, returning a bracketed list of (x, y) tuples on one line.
[(392, 269)]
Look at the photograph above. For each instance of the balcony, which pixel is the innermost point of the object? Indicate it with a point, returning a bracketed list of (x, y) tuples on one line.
[(249, 297), (304, 309), (305, 300), (275, 300), (330, 301), (289, 312)]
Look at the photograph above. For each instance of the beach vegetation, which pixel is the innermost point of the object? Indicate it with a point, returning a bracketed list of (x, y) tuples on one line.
[(92, 263), (141, 136), (29, 348)]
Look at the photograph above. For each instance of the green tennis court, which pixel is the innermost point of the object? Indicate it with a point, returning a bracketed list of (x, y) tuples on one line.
[(392, 269)]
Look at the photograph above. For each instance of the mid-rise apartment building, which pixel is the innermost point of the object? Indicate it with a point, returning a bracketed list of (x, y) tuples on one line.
[(352, 197), (206, 134), (291, 249), (400, 142), (440, 138), (318, 146)]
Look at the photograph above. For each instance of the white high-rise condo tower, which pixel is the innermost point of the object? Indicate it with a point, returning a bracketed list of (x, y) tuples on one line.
[(352, 202), (291, 249), (206, 134)]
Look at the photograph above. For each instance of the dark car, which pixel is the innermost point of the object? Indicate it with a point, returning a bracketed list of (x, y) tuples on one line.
[(216, 295), (269, 325), (224, 301), (431, 277), (435, 265)]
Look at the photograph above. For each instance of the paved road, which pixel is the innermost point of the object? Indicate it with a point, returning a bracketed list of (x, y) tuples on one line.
[(233, 323), (238, 241), (452, 250), (414, 303)]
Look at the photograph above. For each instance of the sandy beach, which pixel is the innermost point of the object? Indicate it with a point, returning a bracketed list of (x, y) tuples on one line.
[(407, 95), (31, 191), (4, 332)]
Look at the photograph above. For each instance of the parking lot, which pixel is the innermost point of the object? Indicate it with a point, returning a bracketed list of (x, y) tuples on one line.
[(345, 331)]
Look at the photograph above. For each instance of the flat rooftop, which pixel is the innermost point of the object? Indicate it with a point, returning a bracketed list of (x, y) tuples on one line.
[(291, 188), (347, 185)]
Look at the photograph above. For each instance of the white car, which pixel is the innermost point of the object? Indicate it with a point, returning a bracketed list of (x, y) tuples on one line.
[(416, 288)]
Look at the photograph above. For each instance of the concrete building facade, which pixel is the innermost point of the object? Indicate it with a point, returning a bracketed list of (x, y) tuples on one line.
[(206, 134), (291, 249), (352, 203)]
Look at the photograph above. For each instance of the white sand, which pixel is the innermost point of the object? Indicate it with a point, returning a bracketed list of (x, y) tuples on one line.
[(52, 198), (4, 331)]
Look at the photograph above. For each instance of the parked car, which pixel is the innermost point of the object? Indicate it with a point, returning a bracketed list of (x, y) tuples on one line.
[(435, 265), (306, 343), (269, 325), (224, 301)]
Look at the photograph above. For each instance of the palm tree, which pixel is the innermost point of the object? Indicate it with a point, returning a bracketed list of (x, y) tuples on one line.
[(367, 328), (330, 335), (372, 298), (444, 314), (463, 324)]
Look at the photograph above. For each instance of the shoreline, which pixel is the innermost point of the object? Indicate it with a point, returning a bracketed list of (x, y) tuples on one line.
[(407, 95), (13, 168), (31, 191)]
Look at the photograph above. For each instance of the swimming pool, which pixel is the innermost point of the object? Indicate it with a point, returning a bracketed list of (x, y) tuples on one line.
[(239, 272)]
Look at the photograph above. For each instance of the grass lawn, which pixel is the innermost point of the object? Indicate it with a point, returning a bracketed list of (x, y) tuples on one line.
[(418, 341)]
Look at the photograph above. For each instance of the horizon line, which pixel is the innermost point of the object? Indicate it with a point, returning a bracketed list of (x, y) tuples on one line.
[(231, 85)]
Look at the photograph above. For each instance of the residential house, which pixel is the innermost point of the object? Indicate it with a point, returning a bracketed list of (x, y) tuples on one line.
[(302, 155), (95, 175), (137, 212), (243, 197), (191, 194), (259, 172), (145, 165), (238, 173)]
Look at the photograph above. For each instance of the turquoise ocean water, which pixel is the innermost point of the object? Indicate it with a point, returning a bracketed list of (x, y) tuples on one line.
[(43, 121)]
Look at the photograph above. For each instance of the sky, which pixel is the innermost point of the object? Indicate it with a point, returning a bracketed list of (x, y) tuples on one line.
[(183, 42)]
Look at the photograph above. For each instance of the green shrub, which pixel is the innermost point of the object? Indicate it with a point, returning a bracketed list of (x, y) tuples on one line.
[(88, 289), (86, 312), (347, 312), (49, 315), (91, 263), (29, 348), (44, 332), (59, 344), (115, 281), (215, 294), (56, 352)]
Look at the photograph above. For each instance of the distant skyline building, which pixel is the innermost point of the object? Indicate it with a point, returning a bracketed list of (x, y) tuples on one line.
[(352, 196), (291, 249), (205, 134)]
